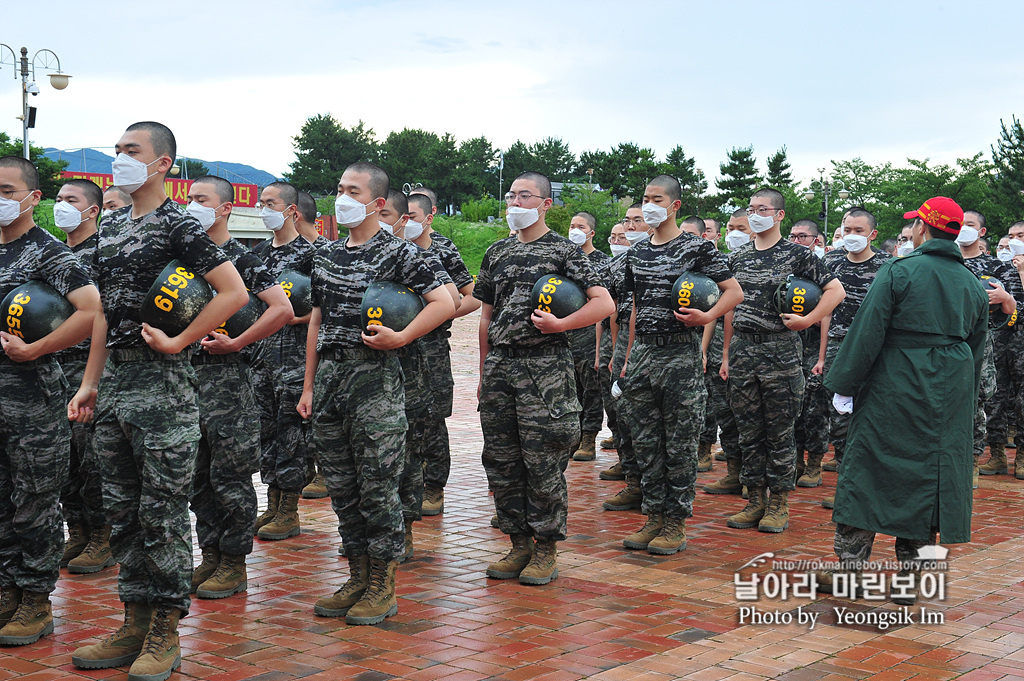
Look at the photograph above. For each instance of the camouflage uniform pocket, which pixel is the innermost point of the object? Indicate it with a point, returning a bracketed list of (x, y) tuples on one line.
[(554, 380)]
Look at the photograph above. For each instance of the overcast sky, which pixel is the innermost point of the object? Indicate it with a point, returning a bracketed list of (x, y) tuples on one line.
[(236, 80)]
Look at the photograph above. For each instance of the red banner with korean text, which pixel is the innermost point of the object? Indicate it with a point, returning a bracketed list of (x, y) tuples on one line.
[(245, 194)]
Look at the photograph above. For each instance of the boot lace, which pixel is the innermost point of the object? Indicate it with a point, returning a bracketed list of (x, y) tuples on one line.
[(378, 584), (159, 635)]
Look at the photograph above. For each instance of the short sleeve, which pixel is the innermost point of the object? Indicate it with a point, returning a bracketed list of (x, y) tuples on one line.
[(192, 245), (484, 289)]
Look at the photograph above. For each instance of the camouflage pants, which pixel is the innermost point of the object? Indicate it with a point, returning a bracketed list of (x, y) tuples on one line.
[(853, 546), (81, 499), (766, 386), (223, 497), (146, 439), (1003, 407), (666, 393), (358, 434), (812, 426), (416, 384), (838, 423), (278, 376), (625, 442), (437, 455), (529, 415), (604, 377), (582, 344), (721, 417), (34, 451), (985, 394)]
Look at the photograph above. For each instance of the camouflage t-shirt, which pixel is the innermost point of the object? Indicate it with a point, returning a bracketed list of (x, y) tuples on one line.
[(295, 255), (341, 276), (761, 272), (507, 275), (585, 339), (651, 270), (459, 275), (85, 252), (37, 256), (320, 241), (130, 256), (615, 276), (1004, 272), (856, 278)]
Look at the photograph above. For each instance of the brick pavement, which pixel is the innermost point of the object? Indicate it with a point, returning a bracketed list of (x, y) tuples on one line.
[(611, 614)]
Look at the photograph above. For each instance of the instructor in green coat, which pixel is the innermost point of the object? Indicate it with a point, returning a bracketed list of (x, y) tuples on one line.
[(910, 370)]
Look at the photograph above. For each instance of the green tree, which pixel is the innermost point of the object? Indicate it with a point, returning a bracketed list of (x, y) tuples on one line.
[(191, 169), (442, 161), (1008, 179), (691, 178), (779, 173), (50, 179), (739, 178), (551, 156), (404, 155), (581, 196), (477, 172), (518, 159), (324, 148)]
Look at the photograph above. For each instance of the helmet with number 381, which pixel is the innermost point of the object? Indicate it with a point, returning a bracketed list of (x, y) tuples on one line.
[(797, 296), (558, 295)]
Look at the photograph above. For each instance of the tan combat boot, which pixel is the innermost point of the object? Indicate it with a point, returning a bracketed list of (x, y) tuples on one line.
[(996, 464), (543, 566), (776, 517), (641, 539), (829, 502), (671, 539), (206, 568), (801, 464), (378, 601), (608, 443), (77, 540), (227, 580), (121, 647), (515, 561), (350, 592), (161, 653), (588, 448), (846, 582), (628, 497), (812, 472), (433, 500), (286, 523), (31, 621), (96, 554), (10, 599), (316, 489), (704, 460), (730, 484), (273, 501), (614, 472), (408, 549), (752, 513)]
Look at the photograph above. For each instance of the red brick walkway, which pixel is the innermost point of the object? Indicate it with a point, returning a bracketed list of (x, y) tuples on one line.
[(611, 614)]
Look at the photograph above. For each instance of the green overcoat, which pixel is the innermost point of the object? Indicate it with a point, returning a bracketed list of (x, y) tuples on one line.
[(912, 363)]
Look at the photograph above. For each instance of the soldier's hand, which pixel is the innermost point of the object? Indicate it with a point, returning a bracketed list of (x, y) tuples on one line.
[(1018, 262), (997, 295), (82, 405), (704, 362), (219, 344), (611, 370), (305, 405), (692, 317), (16, 348), (723, 373), (818, 368), (795, 322), (159, 341), (383, 338), (546, 322)]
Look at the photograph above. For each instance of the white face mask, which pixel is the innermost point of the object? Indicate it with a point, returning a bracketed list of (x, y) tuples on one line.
[(819, 251), (855, 243), (272, 219), (66, 216), (619, 249), (577, 236), (654, 214), (1004, 255), (838, 242), (350, 212), (636, 237), (130, 173), (521, 218), (9, 211), (967, 236), (206, 215), (390, 229), (1016, 247), (760, 223), (413, 230), (905, 249), (736, 238)]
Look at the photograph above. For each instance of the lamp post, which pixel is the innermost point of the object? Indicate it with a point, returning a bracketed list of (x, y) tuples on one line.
[(826, 186), (26, 68)]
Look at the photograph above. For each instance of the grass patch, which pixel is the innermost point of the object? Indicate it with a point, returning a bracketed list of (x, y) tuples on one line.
[(471, 238)]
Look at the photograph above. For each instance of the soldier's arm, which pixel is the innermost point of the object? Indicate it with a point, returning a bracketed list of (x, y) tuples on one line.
[(273, 319), (82, 405), (598, 306), (822, 346), (485, 345), (468, 304), (305, 406), (632, 335), (832, 294), (73, 331), (726, 339), (439, 308)]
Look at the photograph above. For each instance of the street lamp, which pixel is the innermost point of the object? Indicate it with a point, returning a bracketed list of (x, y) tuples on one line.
[(43, 59), (825, 185)]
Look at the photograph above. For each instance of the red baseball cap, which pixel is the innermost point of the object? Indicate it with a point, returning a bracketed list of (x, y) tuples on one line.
[(939, 212)]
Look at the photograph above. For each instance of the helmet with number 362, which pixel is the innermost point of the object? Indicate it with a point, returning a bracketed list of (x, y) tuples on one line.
[(797, 296), (558, 295)]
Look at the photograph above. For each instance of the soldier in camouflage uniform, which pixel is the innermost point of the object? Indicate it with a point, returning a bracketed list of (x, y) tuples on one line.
[(147, 415), (763, 360), (223, 497), (88, 546), (436, 450), (34, 433), (583, 345), (353, 391), (1008, 402), (529, 412), (278, 365), (1010, 296), (664, 380), (618, 244)]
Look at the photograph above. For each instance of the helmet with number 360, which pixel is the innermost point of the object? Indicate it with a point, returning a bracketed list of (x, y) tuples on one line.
[(797, 296)]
